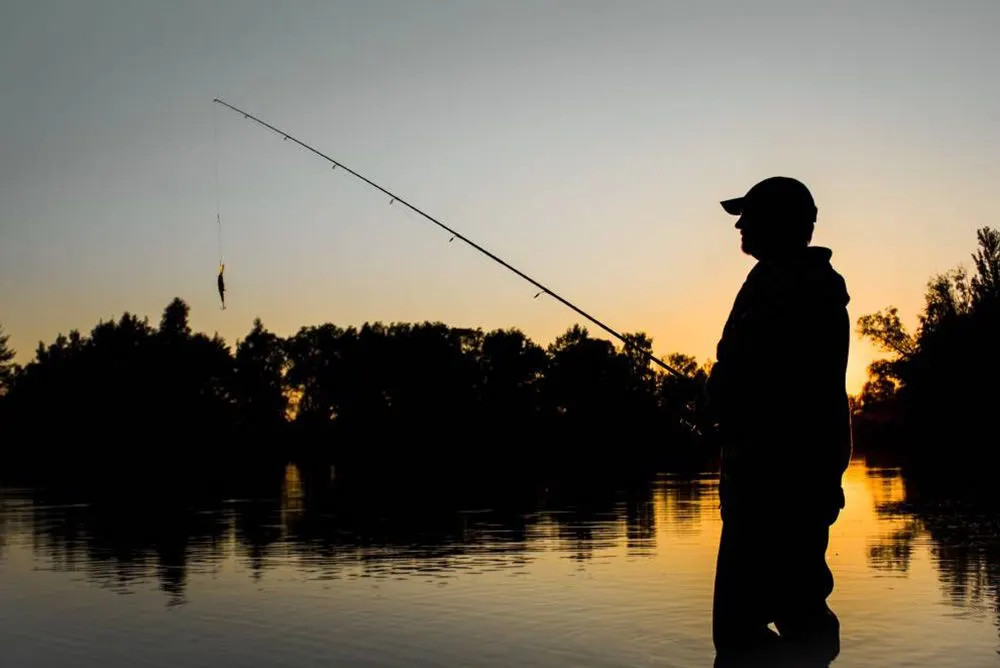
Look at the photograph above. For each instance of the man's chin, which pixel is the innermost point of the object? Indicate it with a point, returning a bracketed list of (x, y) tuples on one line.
[(750, 250)]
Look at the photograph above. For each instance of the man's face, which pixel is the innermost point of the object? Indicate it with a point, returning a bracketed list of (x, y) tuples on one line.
[(766, 234), (752, 236)]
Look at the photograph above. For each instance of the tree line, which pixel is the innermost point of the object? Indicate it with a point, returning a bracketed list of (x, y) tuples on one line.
[(399, 396), (418, 396)]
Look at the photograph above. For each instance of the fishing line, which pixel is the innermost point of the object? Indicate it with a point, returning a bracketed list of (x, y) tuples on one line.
[(218, 207), (394, 199), (220, 281)]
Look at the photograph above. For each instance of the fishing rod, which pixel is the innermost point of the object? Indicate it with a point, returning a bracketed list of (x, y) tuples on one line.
[(456, 235)]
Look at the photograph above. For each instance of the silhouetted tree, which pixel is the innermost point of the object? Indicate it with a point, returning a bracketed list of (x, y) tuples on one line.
[(511, 368), (881, 387), (886, 330), (124, 397), (684, 398), (941, 383), (259, 390), (595, 391), (192, 379), (585, 379), (7, 367), (174, 323), (985, 287), (316, 365)]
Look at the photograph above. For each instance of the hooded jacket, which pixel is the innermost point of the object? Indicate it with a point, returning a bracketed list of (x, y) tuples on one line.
[(778, 388)]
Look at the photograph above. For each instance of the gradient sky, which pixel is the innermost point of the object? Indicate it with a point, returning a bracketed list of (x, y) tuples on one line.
[(588, 143)]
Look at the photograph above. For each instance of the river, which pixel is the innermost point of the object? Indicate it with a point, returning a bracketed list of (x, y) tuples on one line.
[(617, 577)]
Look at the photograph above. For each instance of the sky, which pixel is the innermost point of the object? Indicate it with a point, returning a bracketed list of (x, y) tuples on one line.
[(587, 143)]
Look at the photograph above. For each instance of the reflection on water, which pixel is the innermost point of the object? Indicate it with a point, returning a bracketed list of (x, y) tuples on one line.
[(963, 541), (891, 549), (116, 544), (309, 570)]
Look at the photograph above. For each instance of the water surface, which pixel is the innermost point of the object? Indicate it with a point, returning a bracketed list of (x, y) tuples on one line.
[(620, 576)]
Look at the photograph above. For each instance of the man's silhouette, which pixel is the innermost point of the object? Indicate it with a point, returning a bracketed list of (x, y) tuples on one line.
[(778, 394)]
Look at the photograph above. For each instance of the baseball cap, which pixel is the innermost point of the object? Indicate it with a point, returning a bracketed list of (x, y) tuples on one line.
[(778, 195)]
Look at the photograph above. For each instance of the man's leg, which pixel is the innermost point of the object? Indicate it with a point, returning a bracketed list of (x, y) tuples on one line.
[(741, 608), (805, 583)]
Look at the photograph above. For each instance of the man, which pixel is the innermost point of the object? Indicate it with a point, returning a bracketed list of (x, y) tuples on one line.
[(779, 398)]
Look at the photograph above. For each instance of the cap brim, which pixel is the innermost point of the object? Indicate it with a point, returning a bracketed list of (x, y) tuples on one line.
[(733, 206)]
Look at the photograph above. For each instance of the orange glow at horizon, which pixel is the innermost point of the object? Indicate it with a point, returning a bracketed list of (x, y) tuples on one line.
[(557, 155)]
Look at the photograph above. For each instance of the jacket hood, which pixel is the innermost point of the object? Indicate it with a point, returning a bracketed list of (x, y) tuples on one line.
[(807, 275)]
